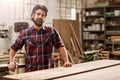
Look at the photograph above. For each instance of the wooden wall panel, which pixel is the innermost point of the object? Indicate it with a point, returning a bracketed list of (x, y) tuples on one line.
[(63, 27)]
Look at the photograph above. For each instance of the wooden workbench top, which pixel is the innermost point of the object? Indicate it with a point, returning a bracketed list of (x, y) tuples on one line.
[(62, 72), (110, 73)]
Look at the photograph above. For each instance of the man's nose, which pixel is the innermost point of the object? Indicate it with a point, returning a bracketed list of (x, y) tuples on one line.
[(40, 16)]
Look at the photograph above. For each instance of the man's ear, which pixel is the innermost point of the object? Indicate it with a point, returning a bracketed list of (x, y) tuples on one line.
[(32, 15)]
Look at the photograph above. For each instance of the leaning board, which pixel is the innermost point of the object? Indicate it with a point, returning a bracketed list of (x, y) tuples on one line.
[(61, 72)]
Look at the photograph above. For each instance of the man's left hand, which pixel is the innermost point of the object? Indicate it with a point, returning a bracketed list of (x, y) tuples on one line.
[(67, 64)]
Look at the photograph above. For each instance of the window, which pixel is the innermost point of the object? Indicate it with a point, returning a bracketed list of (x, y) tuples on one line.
[(68, 8)]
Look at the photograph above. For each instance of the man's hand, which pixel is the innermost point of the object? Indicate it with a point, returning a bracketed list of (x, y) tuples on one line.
[(12, 66), (67, 64)]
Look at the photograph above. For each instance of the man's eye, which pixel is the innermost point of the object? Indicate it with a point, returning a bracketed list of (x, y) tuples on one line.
[(40, 14)]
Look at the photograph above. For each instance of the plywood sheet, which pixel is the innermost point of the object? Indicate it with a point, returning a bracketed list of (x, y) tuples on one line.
[(63, 27), (56, 73), (111, 73)]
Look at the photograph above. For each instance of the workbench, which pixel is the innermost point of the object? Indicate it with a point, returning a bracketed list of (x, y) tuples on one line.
[(94, 70), (4, 59)]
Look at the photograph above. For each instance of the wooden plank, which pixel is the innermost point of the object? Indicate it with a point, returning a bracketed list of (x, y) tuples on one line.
[(110, 73), (71, 58), (115, 38), (63, 72), (78, 43), (75, 47), (56, 25), (73, 55), (65, 33), (63, 27), (105, 55), (77, 50)]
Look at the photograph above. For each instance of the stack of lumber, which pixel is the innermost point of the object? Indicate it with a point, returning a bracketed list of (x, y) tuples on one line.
[(70, 33)]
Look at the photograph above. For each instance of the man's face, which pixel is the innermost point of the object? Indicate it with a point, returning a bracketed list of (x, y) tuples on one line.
[(38, 17)]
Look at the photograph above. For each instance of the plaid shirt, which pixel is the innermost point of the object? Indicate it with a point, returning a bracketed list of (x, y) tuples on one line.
[(38, 47)]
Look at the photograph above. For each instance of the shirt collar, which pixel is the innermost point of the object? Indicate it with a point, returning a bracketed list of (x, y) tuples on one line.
[(43, 28)]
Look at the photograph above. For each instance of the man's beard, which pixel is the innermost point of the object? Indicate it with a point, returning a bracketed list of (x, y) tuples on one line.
[(37, 22)]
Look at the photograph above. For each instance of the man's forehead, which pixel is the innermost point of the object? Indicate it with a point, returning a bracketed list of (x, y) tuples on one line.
[(40, 11)]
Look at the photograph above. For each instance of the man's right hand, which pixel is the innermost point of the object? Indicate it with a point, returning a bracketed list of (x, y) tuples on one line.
[(12, 66)]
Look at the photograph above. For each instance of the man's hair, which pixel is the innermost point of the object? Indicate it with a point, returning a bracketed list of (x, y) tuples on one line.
[(42, 7)]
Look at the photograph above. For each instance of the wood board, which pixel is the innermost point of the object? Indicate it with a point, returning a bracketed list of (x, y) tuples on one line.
[(110, 73), (63, 27), (61, 72)]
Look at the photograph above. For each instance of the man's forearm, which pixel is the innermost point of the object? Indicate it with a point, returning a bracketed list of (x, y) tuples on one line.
[(63, 54), (12, 55)]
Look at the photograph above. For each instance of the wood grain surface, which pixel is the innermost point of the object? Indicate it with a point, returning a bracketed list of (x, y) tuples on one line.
[(110, 73), (62, 72)]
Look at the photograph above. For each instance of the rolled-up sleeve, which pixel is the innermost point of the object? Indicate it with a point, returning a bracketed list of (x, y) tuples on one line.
[(19, 42), (57, 40)]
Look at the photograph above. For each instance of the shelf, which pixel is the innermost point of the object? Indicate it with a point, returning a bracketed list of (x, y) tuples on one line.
[(112, 34), (106, 27), (95, 31), (94, 16), (112, 25), (93, 8), (112, 16), (113, 7), (93, 39), (93, 23), (114, 43)]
